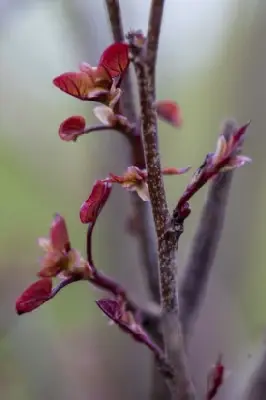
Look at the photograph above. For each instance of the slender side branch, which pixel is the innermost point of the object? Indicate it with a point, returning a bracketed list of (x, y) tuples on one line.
[(256, 388), (154, 29), (113, 9), (205, 243), (96, 128), (114, 14)]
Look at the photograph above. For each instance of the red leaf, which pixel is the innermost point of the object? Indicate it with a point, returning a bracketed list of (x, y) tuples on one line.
[(71, 128), (58, 234), (76, 84), (34, 296), (239, 133), (110, 307), (92, 207), (115, 59), (169, 111)]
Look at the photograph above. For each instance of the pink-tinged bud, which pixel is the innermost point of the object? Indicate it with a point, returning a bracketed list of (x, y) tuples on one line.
[(34, 296), (105, 115), (71, 128), (240, 133), (110, 307), (215, 379), (221, 150), (59, 235), (169, 111), (92, 207), (125, 319)]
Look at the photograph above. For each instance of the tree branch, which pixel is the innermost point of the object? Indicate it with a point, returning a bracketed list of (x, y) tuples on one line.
[(149, 138), (256, 388), (154, 29), (181, 385), (142, 215), (205, 243), (114, 14)]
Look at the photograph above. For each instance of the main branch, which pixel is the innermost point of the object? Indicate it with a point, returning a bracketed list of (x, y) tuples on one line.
[(181, 386)]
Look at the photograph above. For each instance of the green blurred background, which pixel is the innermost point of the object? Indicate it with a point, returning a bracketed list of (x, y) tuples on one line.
[(212, 61)]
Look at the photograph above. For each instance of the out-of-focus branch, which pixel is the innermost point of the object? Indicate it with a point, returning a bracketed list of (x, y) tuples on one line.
[(205, 243), (256, 387), (115, 19)]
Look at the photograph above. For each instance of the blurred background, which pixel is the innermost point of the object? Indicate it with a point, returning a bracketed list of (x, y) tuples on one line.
[(212, 61)]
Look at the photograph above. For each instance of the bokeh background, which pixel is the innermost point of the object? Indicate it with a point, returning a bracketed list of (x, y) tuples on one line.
[(212, 61)]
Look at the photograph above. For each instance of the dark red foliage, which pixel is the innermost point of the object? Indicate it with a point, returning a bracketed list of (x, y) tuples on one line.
[(115, 59), (59, 234), (34, 296), (72, 127), (91, 208)]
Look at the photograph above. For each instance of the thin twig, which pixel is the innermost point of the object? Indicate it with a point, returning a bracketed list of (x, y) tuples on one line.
[(127, 103), (154, 29), (205, 244), (181, 385), (96, 128), (114, 15)]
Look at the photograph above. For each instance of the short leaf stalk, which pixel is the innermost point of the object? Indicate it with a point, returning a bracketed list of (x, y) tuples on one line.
[(160, 325)]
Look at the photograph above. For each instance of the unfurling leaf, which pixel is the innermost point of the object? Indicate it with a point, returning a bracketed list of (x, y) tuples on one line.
[(92, 207), (79, 84), (169, 111), (236, 162), (115, 59), (87, 68), (71, 128), (99, 75), (76, 84), (142, 190), (110, 307), (105, 115), (34, 296), (221, 149), (59, 235), (53, 266), (125, 319), (239, 134)]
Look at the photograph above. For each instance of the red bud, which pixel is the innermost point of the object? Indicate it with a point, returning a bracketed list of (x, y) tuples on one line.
[(91, 208), (34, 296), (58, 234)]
